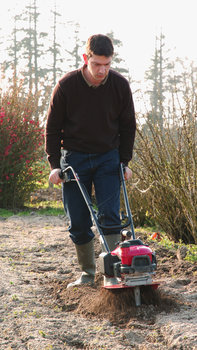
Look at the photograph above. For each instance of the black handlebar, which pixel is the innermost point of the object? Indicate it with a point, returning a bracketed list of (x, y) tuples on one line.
[(61, 175)]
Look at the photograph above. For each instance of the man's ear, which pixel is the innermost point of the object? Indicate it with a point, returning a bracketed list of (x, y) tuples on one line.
[(85, 58)]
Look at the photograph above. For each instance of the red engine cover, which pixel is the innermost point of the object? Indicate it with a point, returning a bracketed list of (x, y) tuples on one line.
[(126, 254)]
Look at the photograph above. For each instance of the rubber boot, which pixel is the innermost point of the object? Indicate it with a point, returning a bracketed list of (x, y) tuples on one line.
[(86, 260), (111, 241)]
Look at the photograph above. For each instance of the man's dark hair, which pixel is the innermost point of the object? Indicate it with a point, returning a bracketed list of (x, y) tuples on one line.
[(100, 45)]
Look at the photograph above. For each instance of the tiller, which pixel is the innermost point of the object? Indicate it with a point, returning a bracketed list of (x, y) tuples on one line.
[(131, 264)]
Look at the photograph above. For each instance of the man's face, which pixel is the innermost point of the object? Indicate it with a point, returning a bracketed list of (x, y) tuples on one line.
[(98, 67)]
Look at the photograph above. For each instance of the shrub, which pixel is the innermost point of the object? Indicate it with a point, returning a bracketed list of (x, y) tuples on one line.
[(21, 146), (165, 170)]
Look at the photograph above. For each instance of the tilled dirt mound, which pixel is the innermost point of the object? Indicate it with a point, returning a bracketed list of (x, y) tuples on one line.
[(118, 306), (37, 311)]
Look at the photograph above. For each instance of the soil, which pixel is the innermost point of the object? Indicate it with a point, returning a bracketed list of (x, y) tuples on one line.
[(37, 311)]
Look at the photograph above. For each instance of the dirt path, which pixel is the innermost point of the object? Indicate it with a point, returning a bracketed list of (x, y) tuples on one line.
[(37, 261)]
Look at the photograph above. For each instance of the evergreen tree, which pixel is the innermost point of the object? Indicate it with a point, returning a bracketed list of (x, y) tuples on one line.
[(118, 63), (156, 74), (32, 49), (75, 58), (13, 50), (187, 84), (55, 47), (28, 47)]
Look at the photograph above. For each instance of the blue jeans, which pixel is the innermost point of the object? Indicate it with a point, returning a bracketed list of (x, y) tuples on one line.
[(102, 170)]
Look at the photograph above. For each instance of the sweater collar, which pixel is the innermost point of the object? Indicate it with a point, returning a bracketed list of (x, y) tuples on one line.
[(89, 84)]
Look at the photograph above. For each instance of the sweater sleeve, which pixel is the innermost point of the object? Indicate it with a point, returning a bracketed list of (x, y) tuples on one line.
[(54, 126), (127, 127)]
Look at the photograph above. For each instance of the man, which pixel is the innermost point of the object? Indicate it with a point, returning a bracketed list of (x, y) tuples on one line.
[(91, 126)]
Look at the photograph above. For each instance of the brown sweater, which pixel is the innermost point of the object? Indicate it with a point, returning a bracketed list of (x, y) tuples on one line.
[(90, 120)]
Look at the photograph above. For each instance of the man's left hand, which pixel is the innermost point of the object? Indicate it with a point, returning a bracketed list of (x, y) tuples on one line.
[(127, 173)]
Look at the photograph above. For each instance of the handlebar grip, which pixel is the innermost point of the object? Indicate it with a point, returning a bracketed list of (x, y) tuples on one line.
[(61, 175)]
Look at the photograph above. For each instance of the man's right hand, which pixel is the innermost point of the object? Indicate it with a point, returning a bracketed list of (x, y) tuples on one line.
[(127, 173), (54, 176)]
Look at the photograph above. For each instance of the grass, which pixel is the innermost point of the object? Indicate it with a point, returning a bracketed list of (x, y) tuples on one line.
[(169, 244), (51, 211), (192, 253), (45, 210), (53, 208), (5, 213), (43, 207)]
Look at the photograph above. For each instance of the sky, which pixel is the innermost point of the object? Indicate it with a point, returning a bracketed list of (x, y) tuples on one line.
[(135, 22)]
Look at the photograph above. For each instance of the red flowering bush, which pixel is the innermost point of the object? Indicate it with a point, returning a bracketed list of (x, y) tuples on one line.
[(21, 147)]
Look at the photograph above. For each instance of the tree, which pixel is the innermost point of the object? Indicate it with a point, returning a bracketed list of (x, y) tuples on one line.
[(187, 83), (156, 74), (118, 62), (55, 49), (31, 48), (27, 46), (13, 50), (74, 55)]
